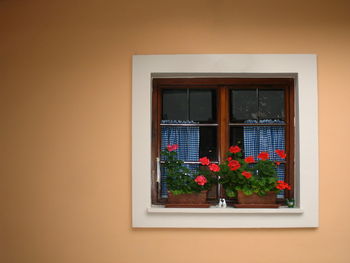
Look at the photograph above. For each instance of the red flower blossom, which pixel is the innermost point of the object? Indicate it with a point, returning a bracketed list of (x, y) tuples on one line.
[(263, 156), (277, 163), (281, 153), (249, 159), (201, 180), (246, 174), (204, 161), (229, 159), (281, 185), (172, 147), (234, 165), (234, 149), (214, 167)]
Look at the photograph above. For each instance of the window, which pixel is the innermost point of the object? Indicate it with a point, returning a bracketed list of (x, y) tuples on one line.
[(204, 116), (301, 68)]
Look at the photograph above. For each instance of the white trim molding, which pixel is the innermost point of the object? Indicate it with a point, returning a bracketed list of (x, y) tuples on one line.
[(302, 67)]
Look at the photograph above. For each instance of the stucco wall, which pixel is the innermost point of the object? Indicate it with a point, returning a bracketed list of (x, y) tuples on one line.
[(65, 93)]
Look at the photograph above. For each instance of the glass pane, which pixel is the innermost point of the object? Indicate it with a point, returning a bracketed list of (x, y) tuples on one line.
[(186, 137), (203, 105), (194, 142), (208, 143), (256, 139), (175, 104), (236, 137), (271, 104), (244, 105), (270, 139)]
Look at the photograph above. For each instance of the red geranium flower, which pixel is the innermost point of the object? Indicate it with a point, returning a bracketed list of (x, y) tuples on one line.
[(277, 163), (281, 153), (172, 147), (249, 159), (214, 167), (229, 158), (234, 149), (201, 180), (281, 185), (204, 161), (263, 156), (246, 174), (234, 165)]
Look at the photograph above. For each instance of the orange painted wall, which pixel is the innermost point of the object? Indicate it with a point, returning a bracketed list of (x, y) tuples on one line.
[(65, 103)]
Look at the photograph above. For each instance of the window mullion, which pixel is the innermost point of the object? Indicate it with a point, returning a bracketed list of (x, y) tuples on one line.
[(223, 121), (223, 129)]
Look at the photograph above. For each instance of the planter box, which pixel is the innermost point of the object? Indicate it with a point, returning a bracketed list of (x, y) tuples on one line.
[(188, 200), (256, 201)]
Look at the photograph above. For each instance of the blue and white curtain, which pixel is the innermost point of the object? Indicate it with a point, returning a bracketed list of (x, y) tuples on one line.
[(187, 137), (265, 139)]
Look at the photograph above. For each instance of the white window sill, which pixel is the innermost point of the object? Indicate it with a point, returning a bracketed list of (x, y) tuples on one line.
[(229, 210)]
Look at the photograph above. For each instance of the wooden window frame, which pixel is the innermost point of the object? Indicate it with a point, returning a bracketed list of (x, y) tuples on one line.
[(223, 85)]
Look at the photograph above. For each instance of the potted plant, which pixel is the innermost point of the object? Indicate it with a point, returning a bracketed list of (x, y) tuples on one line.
[(252, 180), (186, 188)]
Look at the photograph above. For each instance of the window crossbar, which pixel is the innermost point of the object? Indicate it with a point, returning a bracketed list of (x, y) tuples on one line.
[(189, 124)]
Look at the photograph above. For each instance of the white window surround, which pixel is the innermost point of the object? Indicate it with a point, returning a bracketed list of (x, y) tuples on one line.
[(302, 67)]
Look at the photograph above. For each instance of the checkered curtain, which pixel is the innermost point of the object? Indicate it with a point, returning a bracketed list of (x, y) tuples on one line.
[(265, 139), (187, 137)]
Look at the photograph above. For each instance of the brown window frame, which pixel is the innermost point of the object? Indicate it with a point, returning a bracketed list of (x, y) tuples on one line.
[(223, 85)]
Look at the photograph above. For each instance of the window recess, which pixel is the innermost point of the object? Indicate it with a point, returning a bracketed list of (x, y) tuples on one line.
[(206, 69), (204, 116)]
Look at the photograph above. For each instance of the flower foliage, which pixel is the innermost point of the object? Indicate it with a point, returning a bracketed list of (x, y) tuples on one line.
[(250, 175), (180, 179)]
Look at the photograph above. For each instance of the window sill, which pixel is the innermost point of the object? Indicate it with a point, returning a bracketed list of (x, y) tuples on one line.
[(159, 209)]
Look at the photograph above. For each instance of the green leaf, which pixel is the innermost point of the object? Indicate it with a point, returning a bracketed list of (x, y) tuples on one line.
[(230, 193), (247, 191)]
